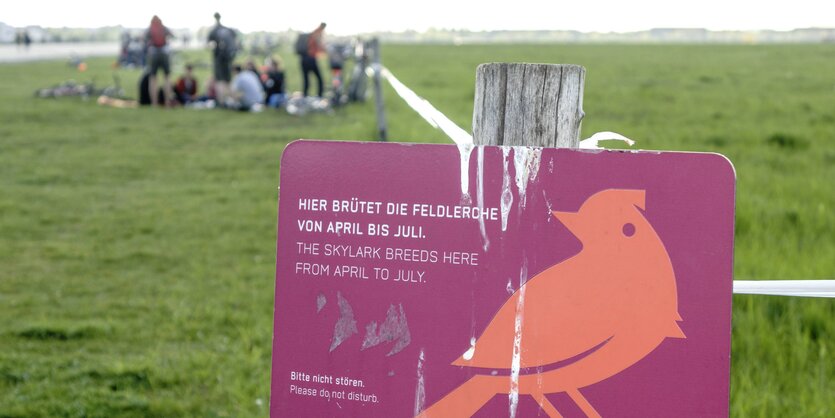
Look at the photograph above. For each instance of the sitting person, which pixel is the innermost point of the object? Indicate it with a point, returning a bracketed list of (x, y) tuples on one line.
[(186, 87), (247, 91), (206, 100), (250, 66), (211, 91), (274, 84)]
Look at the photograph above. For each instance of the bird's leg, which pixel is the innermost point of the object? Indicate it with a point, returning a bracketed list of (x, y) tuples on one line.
[(465, 400), (583, 403), (546, 405)]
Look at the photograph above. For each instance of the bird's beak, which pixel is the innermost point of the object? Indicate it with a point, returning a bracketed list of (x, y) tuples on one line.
[(638, 198), (570, 219)]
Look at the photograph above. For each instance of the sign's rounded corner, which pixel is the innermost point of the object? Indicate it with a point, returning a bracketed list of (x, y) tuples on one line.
[(288, 149), (725, 162)]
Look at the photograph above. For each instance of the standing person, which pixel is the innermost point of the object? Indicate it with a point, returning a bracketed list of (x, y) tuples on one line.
[(309, 46), (156, 40), (337, 54), (224, 46), (123, 51)]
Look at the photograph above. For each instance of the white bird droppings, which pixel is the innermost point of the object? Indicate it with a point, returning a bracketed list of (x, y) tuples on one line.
[(507, 194), (468, 355)]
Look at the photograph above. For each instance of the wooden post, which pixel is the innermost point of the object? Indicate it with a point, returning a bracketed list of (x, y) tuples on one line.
[(528, 104), (357, 85), (378, 91)]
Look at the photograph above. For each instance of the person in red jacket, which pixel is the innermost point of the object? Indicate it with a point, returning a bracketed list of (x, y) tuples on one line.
[(186, 87), (156, 40)]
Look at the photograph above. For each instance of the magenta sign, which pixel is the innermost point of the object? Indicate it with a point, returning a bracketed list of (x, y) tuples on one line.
[(435, 281)]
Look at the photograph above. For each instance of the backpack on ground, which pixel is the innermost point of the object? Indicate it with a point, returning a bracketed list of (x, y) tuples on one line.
[(302, 43)]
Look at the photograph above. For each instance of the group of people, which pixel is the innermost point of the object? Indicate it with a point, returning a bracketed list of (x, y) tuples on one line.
[(22, 38), (234, 86)]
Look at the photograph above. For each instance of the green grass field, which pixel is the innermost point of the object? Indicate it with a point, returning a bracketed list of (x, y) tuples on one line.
[(137, 245)]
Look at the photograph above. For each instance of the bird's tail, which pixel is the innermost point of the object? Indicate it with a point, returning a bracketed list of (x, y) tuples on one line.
[(463, 401)]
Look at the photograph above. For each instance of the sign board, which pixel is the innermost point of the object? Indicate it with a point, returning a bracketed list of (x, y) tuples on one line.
[(438, 281)]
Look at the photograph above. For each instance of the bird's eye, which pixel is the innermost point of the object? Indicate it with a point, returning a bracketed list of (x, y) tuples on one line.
[(628, 229)]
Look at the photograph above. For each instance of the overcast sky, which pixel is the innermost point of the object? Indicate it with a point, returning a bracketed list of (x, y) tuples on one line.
[(346, 16)]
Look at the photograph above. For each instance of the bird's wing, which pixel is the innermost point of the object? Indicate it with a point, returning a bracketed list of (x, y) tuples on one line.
[(558, 316)]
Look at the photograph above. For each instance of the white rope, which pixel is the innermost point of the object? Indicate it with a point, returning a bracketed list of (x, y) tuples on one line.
[(805, 288), (425, 109), (593, 142), (458, 135)]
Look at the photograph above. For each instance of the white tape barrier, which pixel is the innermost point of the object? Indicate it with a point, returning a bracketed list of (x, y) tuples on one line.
[(807, 288), (458, 135), (425, 109), (593, 142)]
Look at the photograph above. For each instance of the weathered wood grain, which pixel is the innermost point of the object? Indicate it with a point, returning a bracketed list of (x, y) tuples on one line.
[(379, 104), (528, 104)]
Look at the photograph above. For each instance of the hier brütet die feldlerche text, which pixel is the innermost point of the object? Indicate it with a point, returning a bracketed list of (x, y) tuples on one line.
[(342, 227)]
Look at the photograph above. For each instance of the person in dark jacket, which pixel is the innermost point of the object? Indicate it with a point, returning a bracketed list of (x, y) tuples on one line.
[(224, 45), (274, 84)]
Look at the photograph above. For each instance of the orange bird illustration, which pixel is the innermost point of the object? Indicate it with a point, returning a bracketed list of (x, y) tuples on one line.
[(595, 314)]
